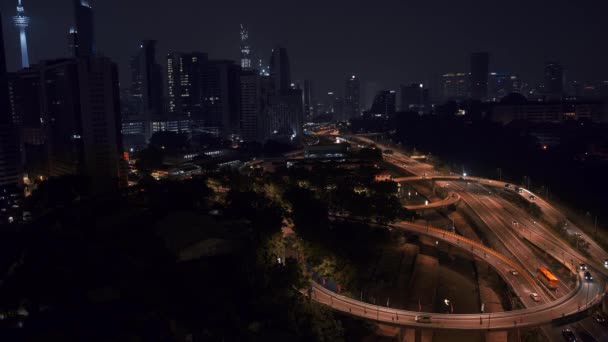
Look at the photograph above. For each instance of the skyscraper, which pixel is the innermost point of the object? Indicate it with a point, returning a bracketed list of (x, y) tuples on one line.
[(146, 85), (286, 115), (221, 100), (73, 42), (252, 121), (352, 98), (331, 106), (285, 111), (480, 64), (245, 49), (454, 86), (554, 79), (501, 84), (185, 84), (84, 29), (22, 21), (280, 72), (414, 97), (9, 139), (384, 103), (308, 100), (71, 120)]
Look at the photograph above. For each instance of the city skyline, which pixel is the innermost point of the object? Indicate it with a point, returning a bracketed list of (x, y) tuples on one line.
[(373, 48), (336, 171)]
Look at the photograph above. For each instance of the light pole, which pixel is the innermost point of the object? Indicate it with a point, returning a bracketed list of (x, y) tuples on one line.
[(595, 226)]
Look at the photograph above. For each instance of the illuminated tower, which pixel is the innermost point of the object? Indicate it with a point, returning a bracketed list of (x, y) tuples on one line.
[(245, 49), (21, 22)]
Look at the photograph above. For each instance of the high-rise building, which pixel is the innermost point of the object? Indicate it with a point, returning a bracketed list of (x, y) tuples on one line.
[(414, 97), (185, 84), (384, 103), (454, 86), (221, 100), (245, 49), (84, 29), (253, 127), (146, 85), (285, 115), (280, 72), (554, 79), (9, 138), (501, 84), (480, 63), (21, 22), (285, 110), (73, 42), (352, 98), (72, 120), (308, 100)]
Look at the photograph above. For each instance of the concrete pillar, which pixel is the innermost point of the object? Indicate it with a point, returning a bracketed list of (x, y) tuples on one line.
[(418, 335)]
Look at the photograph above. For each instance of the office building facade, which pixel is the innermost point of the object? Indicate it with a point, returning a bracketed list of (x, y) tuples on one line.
[(454, 86), (554, 80), (221, 101), (84, 29), (146, 86), (414, 97), (9, 137), (72, 121), (480, 65), (352, 98), (185, 84), (384, 103)]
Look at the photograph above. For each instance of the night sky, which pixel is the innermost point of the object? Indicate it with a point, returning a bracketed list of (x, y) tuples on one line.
[(390, 42)]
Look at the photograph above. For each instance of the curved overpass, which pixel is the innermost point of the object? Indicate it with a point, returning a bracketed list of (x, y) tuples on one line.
[(584, 296), (452, 198), (484, 181)]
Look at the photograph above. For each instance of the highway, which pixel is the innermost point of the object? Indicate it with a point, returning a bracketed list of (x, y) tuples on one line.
[(452, 198), (587, 293), (515, 241)]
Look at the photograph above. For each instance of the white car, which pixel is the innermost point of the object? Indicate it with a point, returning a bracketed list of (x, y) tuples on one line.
[(535, 297)]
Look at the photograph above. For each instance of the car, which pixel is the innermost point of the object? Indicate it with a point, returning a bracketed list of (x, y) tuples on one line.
[(606, 263), (569, 335), (599, 318), (513, 272), (515, 223), (588, 276), (582, 267), (423, 319), (532, 198), (519, 190), (508, 185), (535, 297)]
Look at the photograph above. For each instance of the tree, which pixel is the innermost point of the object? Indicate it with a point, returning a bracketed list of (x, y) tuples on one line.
[(310, 215), (57, 192), (149, 159), (385, 188)]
